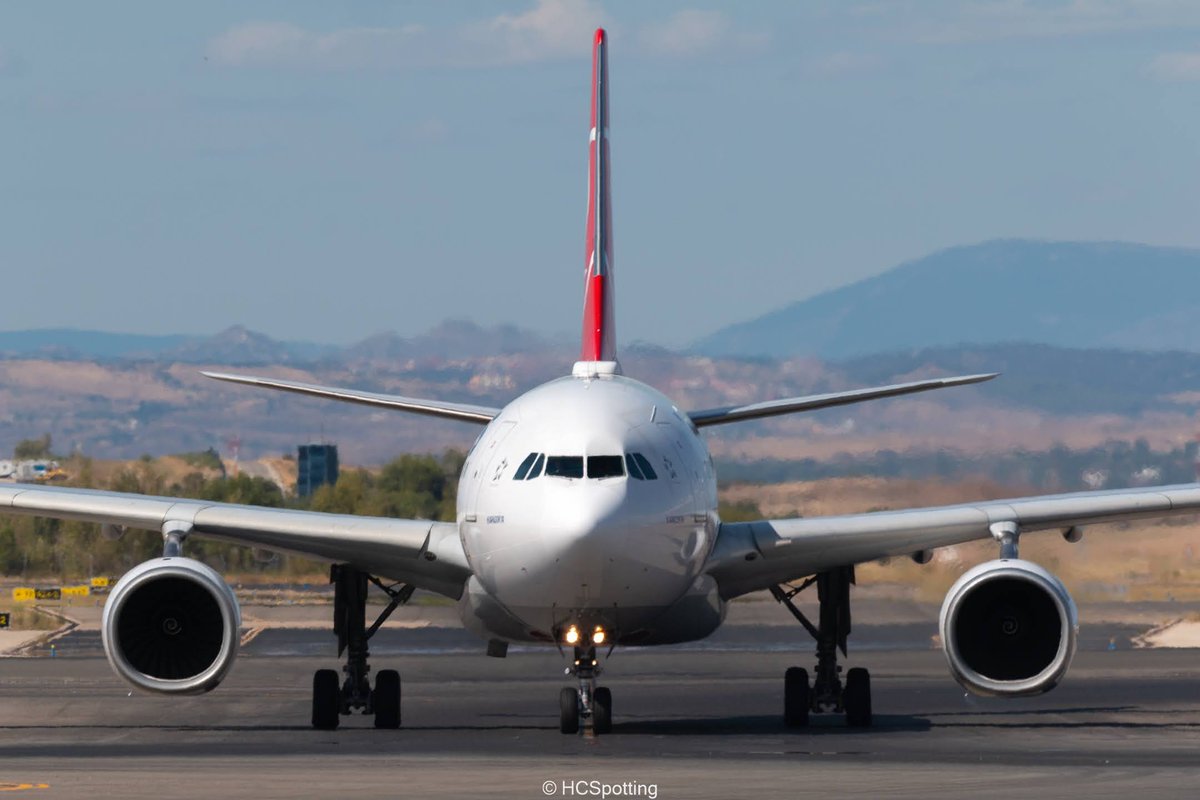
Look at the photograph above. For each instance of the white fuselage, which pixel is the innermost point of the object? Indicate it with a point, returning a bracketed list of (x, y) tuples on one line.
[(610, 525)]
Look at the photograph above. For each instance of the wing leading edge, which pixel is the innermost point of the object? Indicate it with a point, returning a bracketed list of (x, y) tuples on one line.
[(427, 554), (749, 556), (434, 408), (791, 405)]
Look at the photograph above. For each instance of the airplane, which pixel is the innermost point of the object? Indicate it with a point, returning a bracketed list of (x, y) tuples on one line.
[(587, 520)]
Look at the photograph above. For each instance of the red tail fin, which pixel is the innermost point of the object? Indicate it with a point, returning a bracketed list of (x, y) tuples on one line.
[(599, 332)]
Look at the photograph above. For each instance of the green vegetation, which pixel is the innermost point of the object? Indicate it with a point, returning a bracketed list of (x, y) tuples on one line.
[(204, 459), (413, 486), (28, 449)]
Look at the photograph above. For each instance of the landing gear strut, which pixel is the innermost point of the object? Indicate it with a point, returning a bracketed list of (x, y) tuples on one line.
[(589, 703), (331, 697), (828, 693)]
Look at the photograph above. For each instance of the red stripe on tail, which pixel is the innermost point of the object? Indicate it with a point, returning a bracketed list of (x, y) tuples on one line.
[(599, 332)]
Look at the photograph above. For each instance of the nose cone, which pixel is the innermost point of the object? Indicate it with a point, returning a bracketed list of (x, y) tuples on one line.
[(577, 516), (581, 538)]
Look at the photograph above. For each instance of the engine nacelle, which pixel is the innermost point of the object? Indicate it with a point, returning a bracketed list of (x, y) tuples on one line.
[(1009, 628), (171, 625)]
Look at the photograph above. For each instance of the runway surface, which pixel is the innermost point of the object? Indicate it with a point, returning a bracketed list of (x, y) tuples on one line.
[(689, 722)]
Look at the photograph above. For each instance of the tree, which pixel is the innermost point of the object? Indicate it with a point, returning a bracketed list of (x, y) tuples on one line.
[(28, 449)]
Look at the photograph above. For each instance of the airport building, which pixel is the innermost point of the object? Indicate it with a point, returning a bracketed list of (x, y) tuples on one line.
[(317, 465)]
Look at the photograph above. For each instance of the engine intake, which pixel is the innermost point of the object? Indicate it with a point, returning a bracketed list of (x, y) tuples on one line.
[(171, 626), (1009, 628)]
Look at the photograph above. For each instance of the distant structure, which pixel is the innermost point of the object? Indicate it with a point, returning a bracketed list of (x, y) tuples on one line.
[(317, 465), (234, 443)]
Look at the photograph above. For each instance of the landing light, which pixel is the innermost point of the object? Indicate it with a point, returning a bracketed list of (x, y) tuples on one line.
[(598, 635), (572, 635)]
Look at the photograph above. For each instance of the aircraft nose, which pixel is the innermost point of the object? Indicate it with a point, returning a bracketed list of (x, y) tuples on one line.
[(574, 519), (582, 535)]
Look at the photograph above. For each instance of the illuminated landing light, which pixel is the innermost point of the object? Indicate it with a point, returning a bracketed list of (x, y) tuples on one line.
[(598, 635), (572, 636)]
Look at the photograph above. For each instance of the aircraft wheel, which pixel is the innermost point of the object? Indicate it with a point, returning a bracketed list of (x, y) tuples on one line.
[(795, 697), (856, 698), (326, 700), (568, 710), (602, 710), (386, 699)]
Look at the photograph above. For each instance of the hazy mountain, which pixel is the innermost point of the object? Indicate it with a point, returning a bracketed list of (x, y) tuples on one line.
[(1067, 294), (1049, 379), (450, 340), (73, 343), (239, 345)]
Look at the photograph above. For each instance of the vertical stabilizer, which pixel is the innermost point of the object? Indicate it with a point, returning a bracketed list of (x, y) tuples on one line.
[(599, 332)]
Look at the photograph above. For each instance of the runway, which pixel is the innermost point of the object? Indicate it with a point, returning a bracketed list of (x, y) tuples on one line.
[(689, 722)]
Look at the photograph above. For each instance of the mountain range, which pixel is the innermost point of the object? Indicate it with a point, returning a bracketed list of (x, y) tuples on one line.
[(1065, 294), (453, 339), (1078, 295)]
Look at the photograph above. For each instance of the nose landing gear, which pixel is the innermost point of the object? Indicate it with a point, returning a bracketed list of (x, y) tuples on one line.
[(590, 705), (827, 693)]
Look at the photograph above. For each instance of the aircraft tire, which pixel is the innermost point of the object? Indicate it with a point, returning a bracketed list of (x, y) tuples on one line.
[(568, 710), (326, 700), (795, 697), (386, 699), (856, 698), (602, 710)]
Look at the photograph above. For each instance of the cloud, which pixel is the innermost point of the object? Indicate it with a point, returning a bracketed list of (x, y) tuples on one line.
[(984, 20), (693, 32), (1176, 67), (547, 30), (288, 45), (550, 29)]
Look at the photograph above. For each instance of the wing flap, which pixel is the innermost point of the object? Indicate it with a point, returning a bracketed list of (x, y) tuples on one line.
[(792, 405), (422, 552), (435, 408), (749, 556)]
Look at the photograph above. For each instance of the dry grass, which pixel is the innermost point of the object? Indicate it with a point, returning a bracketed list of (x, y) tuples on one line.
[(28, 618)]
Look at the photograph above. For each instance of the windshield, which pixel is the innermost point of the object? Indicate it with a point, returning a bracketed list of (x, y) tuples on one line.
[(564, 466)]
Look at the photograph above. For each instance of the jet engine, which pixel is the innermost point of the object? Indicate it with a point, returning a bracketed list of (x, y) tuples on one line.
[(1008, 628), (171, 626)]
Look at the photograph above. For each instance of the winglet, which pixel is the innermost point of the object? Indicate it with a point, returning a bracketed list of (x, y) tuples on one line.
[(599, 331)]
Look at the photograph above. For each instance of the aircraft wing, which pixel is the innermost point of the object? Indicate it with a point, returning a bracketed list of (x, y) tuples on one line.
[(749, 556), (434, 408), (424, 553), (791, 405)]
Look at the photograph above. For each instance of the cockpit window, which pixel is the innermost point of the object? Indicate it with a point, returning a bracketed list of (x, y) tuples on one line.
[(564, 466), (530, 468), (647, 470), (605, 466), (635, 471), (523, 470)]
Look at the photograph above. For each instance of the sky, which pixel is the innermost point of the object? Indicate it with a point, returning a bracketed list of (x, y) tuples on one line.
[(327, 171)]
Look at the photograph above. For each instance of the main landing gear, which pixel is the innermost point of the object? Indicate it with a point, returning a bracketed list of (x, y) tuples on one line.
[(589, 704), (827, 693), (333, 698)]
